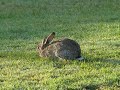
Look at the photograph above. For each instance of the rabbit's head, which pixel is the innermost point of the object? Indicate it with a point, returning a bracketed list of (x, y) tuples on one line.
[(46, 41)]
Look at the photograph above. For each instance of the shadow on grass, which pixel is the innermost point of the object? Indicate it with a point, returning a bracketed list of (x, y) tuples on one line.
[(92, 58), (88, 87), (91, 87), (113, 85)]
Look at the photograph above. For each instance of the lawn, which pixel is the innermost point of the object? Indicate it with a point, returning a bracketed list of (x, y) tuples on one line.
[(94, 24)]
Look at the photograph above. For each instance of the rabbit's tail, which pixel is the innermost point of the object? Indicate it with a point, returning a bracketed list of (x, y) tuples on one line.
[(80, 58)]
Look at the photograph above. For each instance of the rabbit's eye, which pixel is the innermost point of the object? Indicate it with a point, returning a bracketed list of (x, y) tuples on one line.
[(38, 47)]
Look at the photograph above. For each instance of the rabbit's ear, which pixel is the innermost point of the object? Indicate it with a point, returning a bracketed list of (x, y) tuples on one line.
[(44, 40), (49, 38)]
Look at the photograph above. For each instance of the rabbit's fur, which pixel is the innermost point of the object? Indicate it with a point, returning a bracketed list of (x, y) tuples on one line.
[(64, 48)]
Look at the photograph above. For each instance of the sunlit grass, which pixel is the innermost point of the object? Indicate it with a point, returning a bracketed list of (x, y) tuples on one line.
[(94, 24)]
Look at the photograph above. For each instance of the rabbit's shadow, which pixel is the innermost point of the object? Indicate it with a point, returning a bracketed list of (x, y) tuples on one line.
[(60, 63)]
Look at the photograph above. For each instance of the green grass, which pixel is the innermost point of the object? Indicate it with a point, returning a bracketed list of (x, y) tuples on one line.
[(94, 24)]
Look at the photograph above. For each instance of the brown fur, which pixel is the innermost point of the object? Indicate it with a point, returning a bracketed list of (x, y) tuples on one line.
[(65, 48)]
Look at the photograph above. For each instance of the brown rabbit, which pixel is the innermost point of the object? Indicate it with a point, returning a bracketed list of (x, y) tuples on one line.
[(64, 48)]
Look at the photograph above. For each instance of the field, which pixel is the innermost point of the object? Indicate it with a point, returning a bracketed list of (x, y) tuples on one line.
[(94, 24)]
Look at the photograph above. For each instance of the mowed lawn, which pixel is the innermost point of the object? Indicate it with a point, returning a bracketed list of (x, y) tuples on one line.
[(94, 24)]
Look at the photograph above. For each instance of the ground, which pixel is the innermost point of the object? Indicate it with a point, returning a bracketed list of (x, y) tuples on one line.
[(94, 24)]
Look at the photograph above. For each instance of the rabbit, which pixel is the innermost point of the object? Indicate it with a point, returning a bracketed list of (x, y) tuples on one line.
[(63, 49)]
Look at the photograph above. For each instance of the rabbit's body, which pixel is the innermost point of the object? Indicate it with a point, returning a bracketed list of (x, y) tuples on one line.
[(65, 49)]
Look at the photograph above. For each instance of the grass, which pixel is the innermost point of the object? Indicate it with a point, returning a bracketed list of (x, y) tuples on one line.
[(94, 24)]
